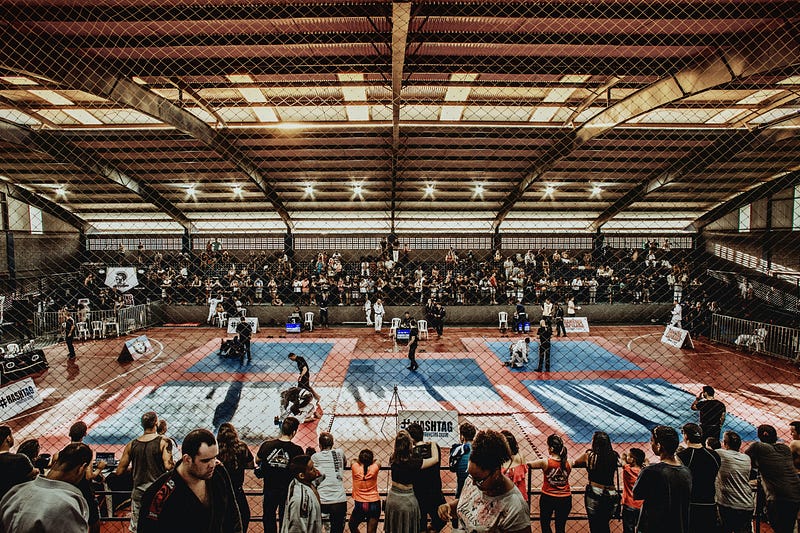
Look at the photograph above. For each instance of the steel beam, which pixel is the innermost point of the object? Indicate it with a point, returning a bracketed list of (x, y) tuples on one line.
[(769, 187), (401, 18), (19, 53), (58, 149), (763, 53)]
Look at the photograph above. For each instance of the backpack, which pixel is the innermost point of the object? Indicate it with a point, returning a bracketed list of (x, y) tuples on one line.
[(457, 451)]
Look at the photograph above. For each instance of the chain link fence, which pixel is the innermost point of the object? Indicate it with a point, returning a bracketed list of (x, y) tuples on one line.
[(618, 181)]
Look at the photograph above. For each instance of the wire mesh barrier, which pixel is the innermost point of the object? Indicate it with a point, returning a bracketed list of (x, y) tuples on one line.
[(566, 225)]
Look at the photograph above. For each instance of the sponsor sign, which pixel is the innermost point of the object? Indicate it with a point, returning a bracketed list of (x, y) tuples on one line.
[(234, 322), (677, 337), (440, 427), (122, 279), (18, 398), (138, 347), (576, 324)]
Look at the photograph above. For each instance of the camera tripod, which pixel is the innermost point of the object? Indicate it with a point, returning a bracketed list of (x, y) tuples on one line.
[(395, 403)]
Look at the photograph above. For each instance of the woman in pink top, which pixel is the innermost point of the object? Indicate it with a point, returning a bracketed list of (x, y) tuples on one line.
[(366, 500), (556, 495), (517, 468)]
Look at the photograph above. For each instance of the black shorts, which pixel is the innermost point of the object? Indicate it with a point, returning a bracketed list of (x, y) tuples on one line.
[(363, 511)]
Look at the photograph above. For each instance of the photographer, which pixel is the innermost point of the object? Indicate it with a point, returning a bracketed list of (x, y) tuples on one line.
[(712, 412)]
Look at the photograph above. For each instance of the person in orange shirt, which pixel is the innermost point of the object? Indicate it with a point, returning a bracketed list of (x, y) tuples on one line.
[(366, 500), (556, 498), (632, 463)]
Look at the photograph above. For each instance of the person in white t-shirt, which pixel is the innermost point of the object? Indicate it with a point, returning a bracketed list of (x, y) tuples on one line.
[(489, 501), (331, 462)]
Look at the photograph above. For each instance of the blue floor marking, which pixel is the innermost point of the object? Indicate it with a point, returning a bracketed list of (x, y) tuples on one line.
[(567, 356), (188, 405), (379, 375), (628, 408), (268, 357)]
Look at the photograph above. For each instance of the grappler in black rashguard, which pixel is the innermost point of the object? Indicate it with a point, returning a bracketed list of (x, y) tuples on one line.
[(544, 346), (413, 341)]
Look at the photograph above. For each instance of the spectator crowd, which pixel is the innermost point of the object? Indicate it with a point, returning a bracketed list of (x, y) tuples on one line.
[(701, 480)]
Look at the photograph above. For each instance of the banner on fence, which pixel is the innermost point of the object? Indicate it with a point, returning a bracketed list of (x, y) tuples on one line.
[(122, 278), (18, 398), (576, 324), (440, 427), (677, 337), (233, 323)]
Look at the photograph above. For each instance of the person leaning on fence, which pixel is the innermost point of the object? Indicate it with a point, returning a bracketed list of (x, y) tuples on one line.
[(402, 510), (490, 501), (601, 498), (632, 463), (556, 497), (366, 500)]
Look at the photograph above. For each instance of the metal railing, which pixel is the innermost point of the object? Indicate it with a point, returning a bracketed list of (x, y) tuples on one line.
[(759, 337), (50, 324)]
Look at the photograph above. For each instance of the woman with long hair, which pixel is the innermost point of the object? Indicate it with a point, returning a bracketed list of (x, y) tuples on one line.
[(236, 457), (601, 496), (402, 509), (516, 468), (366, 500), (556, 498)]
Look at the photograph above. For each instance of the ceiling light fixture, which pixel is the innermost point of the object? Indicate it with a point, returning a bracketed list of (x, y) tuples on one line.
[(429, 190), (61, 191), (358, 191), (237, 191), (191, 191), (308, 191), (597, 191), (548, 191), (478, 191)]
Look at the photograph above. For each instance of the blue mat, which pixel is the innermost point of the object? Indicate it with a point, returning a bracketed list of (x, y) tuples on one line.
[(568, 356), (188, 405), (377, 375), (628, 408), (268, 357)]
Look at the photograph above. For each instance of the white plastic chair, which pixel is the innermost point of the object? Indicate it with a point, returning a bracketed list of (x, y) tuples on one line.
[(503, 319), (422, 326), (757, 340), (111, 324), (394, 326), (12, 349), (97, 329), (222, 319), (83, 330), (309, 321)]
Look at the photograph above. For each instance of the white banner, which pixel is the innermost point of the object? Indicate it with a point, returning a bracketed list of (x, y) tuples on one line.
[(18, 398), (234, 322), (677, 337), (121, 278), (576, 324), (440, 427)]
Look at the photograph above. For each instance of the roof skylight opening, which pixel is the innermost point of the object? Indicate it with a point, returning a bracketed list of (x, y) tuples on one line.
[(239, 78), (51, 97), (254, 95)]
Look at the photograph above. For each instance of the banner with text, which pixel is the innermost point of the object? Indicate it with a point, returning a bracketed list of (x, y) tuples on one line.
[(18, 398), (677, 337), (576, 324), (440, 427), (233, 323)]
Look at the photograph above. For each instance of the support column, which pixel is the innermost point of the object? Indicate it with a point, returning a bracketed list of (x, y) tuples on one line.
[(10, 262), (186, 242), (288, 245)]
